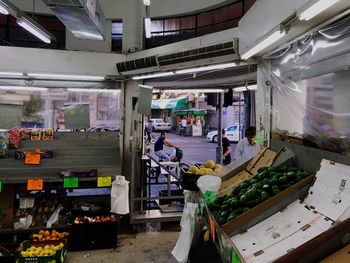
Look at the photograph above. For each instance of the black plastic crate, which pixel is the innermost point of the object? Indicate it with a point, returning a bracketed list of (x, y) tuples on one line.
[(189, 181), (91, 236), (7, 259), (173, 193)]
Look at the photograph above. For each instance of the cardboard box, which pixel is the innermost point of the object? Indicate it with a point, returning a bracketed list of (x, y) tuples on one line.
[(280, 233), (263, 210), (265, 157), (286, 237), (341, 256), (330, 195)]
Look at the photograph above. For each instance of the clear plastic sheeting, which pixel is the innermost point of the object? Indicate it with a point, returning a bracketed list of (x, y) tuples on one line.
[(310, 84), (60, 109)]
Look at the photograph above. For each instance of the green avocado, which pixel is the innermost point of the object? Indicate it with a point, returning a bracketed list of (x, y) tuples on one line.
[(261, 169)]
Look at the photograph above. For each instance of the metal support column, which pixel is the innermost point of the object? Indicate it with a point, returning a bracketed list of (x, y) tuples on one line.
[(219, 146)]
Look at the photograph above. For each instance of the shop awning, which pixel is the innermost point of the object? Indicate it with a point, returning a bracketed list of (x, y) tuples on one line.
[(192, 112), (174, 104)]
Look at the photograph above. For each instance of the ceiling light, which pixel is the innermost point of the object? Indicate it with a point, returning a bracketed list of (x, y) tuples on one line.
[(239, 89), (22, 88), (315, 9), (272, 38), (8, 73), (151, 76), (146, 86), (65, 76), (148, 27), (34, 29), (94, 90), (147, 2), (3, 9), (194, 90), (207, 68)]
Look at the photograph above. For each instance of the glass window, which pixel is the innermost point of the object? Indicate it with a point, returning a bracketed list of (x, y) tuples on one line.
[(169, 30), (117, 36)]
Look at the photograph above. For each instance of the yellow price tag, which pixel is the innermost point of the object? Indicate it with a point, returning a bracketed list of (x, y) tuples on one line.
[(104, 181)]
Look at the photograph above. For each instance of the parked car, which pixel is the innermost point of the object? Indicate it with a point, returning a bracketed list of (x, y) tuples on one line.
[(104, 127), (160, 125), (232, 133)]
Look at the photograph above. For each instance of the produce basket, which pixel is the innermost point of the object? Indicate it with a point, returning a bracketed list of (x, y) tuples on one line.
[(59, 257), (189, 180), (46, 237)]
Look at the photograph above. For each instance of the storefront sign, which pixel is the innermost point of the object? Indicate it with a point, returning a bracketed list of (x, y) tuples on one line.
[(32, 158), (35, 184), (104, 181), (71, 182)]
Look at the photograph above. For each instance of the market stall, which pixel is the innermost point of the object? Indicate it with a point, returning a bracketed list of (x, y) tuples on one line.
[(53, 198), (195, 119)]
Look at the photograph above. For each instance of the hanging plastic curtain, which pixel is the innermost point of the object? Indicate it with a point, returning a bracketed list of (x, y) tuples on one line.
[(310, 82)]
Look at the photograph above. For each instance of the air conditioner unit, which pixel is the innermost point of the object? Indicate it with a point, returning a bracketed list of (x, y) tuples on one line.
[(217, 53)]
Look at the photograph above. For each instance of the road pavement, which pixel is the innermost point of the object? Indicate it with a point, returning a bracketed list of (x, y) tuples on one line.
[(195, 149)]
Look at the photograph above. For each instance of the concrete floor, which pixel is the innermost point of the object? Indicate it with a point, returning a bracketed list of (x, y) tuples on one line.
[(143, 247)]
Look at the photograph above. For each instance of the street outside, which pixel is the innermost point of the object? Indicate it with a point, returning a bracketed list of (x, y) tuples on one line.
[(195, 149)]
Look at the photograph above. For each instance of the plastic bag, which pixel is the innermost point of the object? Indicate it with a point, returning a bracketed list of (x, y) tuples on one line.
[(54, 217), (120, 196), (209, 183), (188, 227)]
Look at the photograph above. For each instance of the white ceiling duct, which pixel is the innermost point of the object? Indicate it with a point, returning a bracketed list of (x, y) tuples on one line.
[(84, 18)]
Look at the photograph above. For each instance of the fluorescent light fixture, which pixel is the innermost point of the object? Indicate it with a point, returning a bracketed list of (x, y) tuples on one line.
[(94, 90), (148, 27), (147, 2), (146, 86), (151, 76), (3, 9), (194, 90), (239, 89), (65, 76), (272, 38), (34, 29), (252, 87), (245, 88), (22, 88), (207, 68), (81, 34), (10, 74), (315, 9)]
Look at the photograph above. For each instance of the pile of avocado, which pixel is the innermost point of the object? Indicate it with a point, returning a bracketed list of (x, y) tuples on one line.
[(268, 182)]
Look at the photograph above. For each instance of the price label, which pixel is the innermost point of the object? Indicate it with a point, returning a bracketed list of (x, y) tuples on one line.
[(32, 158), (71, 182), (0, 186), (234, 257), (104, 181), (35, 184), (212, 227)]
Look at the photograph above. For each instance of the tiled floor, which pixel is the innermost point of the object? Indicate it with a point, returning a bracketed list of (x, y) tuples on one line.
[(144, 247)]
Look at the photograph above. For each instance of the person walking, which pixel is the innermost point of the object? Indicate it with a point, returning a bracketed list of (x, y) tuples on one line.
[(149, 128), (226, 148)]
